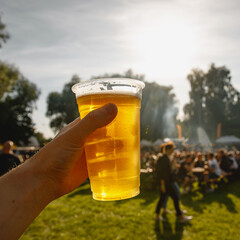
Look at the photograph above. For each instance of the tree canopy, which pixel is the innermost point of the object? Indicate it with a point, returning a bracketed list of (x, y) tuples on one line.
[(17, 102), (4, 35), (8, 78), (213, 100), (62, 107), (158, 112), (128, 74)]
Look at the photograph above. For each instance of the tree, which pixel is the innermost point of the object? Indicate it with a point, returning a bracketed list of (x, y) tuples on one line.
[(8, 77), (4, 35), (62, 107), (41, 139), (128, 74), (16, 106), (213, 100), (158, 112)]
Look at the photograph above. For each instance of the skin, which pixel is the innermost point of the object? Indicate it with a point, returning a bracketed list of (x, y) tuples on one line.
[(55, 170)]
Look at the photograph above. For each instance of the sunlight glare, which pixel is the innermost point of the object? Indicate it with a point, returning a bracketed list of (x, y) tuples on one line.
[(165, 47)]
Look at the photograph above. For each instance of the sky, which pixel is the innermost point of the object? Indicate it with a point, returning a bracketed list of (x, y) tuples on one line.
[(51, 40)]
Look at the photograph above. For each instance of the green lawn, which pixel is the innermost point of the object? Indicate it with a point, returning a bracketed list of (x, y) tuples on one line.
[(78, 216)]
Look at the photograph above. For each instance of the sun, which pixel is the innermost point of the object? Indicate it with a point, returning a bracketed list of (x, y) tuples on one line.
[(165, 46)]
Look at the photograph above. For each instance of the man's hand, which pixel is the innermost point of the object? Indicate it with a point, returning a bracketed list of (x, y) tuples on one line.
[(63, 161)]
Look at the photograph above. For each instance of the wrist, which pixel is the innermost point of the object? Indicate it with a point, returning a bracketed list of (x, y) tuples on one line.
[(36, 187)]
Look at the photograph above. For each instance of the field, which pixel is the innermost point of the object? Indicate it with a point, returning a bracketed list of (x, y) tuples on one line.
[(77, 216)]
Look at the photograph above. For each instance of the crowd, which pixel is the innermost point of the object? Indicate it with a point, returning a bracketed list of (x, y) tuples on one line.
[(187, 166), (172, 170), (205, 168)]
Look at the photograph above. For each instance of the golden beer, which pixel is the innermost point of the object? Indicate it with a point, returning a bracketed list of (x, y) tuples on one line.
[(113, 152)]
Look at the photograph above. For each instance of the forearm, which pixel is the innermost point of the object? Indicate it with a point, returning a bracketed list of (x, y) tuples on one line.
[(24, 193)]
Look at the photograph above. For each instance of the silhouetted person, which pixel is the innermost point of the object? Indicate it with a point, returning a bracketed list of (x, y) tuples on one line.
[(165, 180), (225, 162), (8, 160)]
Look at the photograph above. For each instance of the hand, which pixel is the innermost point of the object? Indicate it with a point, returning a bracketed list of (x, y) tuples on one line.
[(62, 162)]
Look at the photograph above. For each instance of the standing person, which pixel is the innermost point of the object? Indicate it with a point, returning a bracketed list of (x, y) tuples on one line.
[(164, 206), (8, 160), (165, 180), (174, 173)]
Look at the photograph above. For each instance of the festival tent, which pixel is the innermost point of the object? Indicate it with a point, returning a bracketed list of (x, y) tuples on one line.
[(228, 140), (157, 144), (145, 143)]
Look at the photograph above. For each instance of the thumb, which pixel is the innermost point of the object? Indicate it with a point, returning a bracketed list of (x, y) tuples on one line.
[(95, 119)]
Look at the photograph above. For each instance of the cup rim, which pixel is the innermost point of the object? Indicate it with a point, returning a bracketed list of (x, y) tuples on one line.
[(129, 81)]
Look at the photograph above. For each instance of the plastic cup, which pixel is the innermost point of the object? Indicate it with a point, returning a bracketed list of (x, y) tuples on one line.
[(113, 152)]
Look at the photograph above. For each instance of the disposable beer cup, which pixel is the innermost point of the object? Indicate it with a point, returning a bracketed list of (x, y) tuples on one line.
[(113, 152)]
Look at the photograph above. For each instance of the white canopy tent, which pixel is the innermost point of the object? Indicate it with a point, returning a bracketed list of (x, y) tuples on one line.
[(228, 140), (157, 144), (145, 143)]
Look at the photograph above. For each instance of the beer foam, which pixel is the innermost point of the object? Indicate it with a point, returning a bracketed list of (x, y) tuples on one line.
[(119, 86)]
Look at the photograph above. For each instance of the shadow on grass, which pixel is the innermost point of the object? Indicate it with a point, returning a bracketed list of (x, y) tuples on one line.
[(198, 201), (148, 196), (84, 189), (166, 232)]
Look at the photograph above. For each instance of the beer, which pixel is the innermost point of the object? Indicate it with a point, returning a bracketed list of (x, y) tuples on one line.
[(113, 152)]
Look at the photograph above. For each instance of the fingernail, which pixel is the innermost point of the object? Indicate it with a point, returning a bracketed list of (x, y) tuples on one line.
[(111, 108)]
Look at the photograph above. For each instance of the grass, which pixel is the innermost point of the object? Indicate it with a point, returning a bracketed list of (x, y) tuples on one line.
[(77, 216)]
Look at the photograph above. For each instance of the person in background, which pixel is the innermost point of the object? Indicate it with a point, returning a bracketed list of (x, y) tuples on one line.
[(165, 180), (234, 165), (225, 162), (8, 160), (200, 164), (237, 157), (160, 154), (174, 172), (185, 173), (214, 170), (199, 160)]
